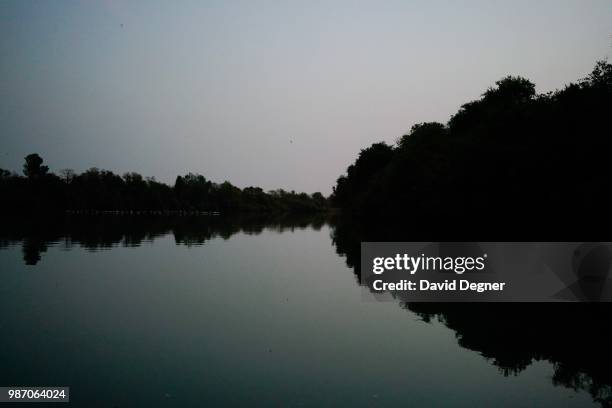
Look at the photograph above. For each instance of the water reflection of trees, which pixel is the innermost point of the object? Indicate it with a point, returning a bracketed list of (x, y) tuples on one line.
[(36, 235), (575, 337)]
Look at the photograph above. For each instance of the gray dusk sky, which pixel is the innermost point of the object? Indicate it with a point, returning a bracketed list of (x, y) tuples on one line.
[(277, 94)]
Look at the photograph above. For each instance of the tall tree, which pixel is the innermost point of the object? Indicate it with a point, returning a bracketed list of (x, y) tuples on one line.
[(33, 166)]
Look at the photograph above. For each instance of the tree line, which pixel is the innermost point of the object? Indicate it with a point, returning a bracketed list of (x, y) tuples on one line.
[(102, 190), (511, 159)]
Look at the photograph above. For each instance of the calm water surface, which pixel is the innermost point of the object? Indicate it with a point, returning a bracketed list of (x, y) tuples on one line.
[(233, 316)]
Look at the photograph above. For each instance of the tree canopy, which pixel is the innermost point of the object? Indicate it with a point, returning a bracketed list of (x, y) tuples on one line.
[(102, 190), (512, 156)]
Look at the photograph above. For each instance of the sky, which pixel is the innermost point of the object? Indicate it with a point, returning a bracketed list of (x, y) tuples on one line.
[(276, 94)]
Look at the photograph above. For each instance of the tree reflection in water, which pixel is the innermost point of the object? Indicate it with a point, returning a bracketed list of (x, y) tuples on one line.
[(575, 337), (107, 231)]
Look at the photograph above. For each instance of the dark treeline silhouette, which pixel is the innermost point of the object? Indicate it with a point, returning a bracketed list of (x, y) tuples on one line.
[(513, 165), (509, 160), (101, 190), (98, 232)]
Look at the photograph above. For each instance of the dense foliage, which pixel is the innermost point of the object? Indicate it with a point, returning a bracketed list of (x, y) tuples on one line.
[(510, 157), (102, 190)]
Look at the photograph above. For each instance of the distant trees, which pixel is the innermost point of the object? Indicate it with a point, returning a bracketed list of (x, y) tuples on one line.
[(600, 77), (102, 190), (33, 166), (67, 175), (512, 156), (4, 174)]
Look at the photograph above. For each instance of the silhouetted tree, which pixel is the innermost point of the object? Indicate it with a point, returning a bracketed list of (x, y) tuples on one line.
[(361, 175), (67, 175), (505, 161), (102, 190), (33, 166)]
